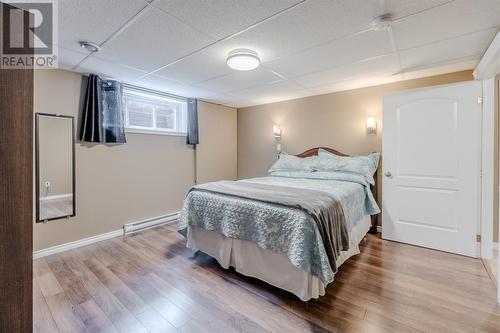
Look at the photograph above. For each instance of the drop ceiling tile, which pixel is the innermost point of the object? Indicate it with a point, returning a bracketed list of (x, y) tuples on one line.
[(238, 80), (238, 105), (384, 65), (93, 20), (400, 9), (361, 82), (173, 87), (217, 99), (339, 52), (197, 92), (473, 44), (453, 19), (308, 24), (153, 40), (222, 99), (273, 91), (280, 96), (69, 58), (201, 66), (460, 65), (109, 69), (220, 18), (319, 43)]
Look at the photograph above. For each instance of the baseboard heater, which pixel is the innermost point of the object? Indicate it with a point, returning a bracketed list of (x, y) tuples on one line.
[(149, 223)]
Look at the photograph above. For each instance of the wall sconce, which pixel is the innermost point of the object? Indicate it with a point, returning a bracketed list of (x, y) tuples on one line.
[(277, 137), (276, 132), (371, 125)]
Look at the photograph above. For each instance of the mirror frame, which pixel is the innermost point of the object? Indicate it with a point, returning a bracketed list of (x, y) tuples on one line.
[(37, 165)]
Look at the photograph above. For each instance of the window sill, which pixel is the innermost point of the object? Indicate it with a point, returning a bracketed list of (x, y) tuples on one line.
[(152, 132)]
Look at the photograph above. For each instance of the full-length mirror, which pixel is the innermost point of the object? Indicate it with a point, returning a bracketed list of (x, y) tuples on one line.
[(55, 170)]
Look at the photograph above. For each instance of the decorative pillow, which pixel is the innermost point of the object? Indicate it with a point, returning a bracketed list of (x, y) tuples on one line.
[(293, 163), (361, 165)]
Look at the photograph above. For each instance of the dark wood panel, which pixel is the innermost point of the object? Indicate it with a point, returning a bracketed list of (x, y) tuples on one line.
[(16, 199), (150, 281)]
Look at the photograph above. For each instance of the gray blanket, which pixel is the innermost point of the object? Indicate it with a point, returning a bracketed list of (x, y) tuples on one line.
[(326, 211)]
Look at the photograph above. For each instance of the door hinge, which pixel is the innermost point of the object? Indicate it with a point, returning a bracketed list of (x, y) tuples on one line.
[(478, 238), (480, 100)]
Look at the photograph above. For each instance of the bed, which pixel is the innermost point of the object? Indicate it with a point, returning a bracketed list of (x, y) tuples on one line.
[(271, 228)]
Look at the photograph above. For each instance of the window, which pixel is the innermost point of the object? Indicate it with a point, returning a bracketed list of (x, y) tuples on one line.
[(150, 112)]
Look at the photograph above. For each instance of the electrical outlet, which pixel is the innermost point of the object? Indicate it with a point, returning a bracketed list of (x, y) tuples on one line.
[(47, 184)]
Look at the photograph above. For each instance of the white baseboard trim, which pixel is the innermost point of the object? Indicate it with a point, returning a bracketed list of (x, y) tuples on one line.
[(127, 228), (56, 196), (150, 223), (379, 229), (72, 245)]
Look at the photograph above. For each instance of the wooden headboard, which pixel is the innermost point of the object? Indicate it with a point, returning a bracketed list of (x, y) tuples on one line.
[(314, 152)]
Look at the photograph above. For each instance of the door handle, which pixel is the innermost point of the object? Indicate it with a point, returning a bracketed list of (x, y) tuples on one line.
[(388, 174)]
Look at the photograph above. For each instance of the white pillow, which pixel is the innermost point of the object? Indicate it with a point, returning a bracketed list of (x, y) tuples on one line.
[(293, 163), (361, 165)]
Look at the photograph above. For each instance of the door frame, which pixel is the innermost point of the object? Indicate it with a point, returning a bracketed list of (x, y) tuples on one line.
[(488, 145), (488, 70)]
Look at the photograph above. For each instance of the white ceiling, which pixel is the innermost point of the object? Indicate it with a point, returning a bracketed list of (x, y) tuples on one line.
[(307, 47)]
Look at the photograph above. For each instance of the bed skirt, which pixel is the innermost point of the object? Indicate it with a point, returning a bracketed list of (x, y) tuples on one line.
[(274, 268)]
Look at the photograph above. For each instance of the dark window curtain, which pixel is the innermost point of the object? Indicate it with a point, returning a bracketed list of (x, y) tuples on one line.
[(113, 120), (91, 129), (192, 122), (102, 118)]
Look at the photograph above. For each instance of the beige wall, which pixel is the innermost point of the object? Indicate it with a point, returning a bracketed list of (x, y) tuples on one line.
[(217, 152), (146, 177), (336, 120)]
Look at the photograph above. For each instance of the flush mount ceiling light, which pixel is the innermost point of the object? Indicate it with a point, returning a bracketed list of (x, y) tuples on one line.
[(89, 46), (382, 22), (243, 60)]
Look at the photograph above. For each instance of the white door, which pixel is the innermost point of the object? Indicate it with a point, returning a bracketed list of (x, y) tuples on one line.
[(431, 167)]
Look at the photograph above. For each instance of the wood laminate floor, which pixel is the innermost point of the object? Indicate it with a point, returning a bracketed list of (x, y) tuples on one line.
[(150, 282)]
